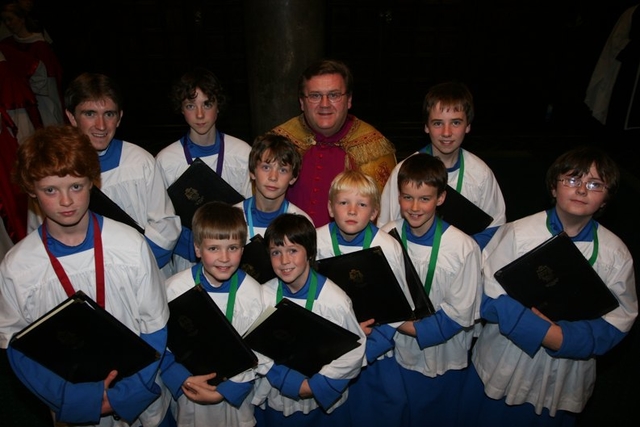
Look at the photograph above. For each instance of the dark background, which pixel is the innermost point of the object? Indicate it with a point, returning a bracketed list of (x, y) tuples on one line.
[(528, 64)]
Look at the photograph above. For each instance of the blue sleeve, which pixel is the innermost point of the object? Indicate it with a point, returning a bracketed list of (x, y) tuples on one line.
[(161, 255), (184, 246), (436, 329), (379, 341), (173, 374), (587, 338), (287, 380), (516, 322), (483, 237), (131, 395), (327, 390), (71, 403), (235, 393)]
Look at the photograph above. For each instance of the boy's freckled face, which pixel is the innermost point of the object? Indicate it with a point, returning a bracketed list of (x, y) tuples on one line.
[(352, 212), (447, 129), (290, 263), (272, 178), (63, 200), (200, 113), (578, 201), (220, 258), (99, 120), (418, 206)]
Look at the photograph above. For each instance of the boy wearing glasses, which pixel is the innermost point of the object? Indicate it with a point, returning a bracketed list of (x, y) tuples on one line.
[(527, 369), (330, 139)]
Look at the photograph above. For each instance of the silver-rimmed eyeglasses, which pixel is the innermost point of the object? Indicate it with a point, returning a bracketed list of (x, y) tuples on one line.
[(574, 182), (316, 97)]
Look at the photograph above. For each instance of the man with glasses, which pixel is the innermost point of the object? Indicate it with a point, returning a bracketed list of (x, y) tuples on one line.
[(330, 139)]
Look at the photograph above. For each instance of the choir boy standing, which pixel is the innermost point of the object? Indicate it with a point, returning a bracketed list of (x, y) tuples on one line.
[(219, 233), (433, 351), (199, 97), (527, 369), (287, 397), (448, 112), (129, 175), (377, 396), (77, 250)]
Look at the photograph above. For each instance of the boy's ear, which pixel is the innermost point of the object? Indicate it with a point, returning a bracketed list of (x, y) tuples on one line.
[(441, 198), (330, 209), (293, 180), (374, 214), (71, 118), (426, 128), (252, 176), (197, 249)]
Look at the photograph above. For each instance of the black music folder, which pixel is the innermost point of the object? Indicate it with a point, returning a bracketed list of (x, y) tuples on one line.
[(557, 279), (256, 261), (101, 204), (198, 185), (368, 279), (458, 211), (203, 340), (81, 342), (422, 303), (295, 337)]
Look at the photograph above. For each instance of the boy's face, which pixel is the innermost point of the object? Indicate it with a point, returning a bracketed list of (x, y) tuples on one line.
[(98, 120), (272, 178), (352, 212), (446, 130), (64, 201), (220, 258), (578, 202), (418, 206), (200, 113), (15, 24), (290, 263), (326, 117)]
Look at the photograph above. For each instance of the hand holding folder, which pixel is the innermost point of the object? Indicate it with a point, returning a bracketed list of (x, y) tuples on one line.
[(557, 279), (81, 342), (203, 340), (295, 337)]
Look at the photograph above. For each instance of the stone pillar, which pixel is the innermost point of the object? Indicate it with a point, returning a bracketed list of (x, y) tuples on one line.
[(282, 38)]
